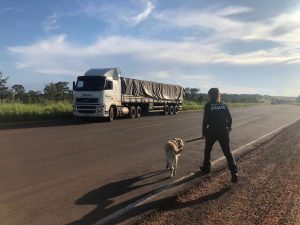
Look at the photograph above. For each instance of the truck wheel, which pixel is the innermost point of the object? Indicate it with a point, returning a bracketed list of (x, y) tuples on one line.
[(132, 113), (111, 114), (166, 111), (171, 110), (176, 109), (138, 111)]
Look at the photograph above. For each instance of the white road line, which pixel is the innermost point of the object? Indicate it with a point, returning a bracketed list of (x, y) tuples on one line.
[(157, 191)]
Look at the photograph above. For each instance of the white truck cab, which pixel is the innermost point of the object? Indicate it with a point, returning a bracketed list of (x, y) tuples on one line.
[(96, 92)]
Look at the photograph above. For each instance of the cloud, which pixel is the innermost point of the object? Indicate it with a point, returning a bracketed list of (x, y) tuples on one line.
[(173, 60), (11, 9), (284, 28), (215, 21), (234, 10), (144, 14), (58, 53), (204, 82), (51, 22), (129, 14), (172, 45), (232, 89), (7, 9), (57, 71)]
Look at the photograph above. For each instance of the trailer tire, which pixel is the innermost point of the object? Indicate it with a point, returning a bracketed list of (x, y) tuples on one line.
[(111, 115), (176, 109), (132, 113), (138, 111), (166, 110), (171, 110)]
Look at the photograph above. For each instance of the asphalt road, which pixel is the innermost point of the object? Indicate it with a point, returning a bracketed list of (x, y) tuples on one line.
[(78, 173)]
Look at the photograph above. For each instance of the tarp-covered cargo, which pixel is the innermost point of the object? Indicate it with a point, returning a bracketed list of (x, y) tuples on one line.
[(150, 89)]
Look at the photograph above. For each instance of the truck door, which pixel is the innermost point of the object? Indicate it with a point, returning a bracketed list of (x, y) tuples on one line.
[(117, 91), (108, 94)]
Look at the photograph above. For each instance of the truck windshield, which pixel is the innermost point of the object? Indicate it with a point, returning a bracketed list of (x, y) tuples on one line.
[(90, 83)]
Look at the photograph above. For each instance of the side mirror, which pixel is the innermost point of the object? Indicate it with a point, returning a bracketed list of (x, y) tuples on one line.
[(74, 86)]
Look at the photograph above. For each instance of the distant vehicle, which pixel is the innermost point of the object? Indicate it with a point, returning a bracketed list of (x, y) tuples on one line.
[(104, 93), (274, 103)]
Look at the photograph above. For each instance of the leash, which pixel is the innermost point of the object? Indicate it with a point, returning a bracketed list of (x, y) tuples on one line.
[(196, 139)]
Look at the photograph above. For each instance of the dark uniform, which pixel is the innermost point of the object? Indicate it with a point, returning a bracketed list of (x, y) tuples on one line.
[(216, 127)]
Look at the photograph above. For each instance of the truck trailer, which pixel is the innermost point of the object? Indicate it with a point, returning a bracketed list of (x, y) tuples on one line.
[(105, 93)]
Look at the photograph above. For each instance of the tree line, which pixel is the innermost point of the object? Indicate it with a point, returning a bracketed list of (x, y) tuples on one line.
[(60, 91), (193, 94), (52, 92)]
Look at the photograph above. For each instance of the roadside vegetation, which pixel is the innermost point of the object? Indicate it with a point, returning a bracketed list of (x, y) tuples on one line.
[(18, 104), (195, 100), (40, 111), (191, 105), (55, 101)]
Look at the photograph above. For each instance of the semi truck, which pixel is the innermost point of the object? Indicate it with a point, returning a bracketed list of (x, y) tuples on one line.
[(105, 93)]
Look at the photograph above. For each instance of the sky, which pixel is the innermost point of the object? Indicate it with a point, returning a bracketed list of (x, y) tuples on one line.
[(240, 46)]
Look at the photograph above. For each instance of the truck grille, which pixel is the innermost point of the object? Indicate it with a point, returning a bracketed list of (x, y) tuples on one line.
[(87, 100), (86, 109)]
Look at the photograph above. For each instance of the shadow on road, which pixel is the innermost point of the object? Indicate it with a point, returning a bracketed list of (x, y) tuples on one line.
[(170, 203), (103, 196)]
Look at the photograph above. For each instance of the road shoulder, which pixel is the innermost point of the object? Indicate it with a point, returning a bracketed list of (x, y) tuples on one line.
[(267, 191)]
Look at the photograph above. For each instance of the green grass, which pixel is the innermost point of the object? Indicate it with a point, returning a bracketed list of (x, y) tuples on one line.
[(23, 112), (237, 105), (189, 105), (11, 112)]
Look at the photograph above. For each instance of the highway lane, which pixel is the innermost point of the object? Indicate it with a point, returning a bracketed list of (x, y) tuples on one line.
[(78, 173)]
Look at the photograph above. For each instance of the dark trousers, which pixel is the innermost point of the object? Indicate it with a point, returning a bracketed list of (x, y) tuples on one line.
[(223, 138)]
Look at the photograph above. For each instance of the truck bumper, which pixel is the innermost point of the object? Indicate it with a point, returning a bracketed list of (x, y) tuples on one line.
[(90, 111)]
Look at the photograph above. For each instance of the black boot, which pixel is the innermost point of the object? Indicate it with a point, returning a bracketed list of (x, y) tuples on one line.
[(234, 177), (204, 169)]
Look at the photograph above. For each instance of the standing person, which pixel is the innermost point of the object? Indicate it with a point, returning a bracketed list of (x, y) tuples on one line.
[(216, 127)]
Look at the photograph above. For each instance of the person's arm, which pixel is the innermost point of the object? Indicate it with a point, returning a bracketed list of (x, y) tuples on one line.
[(228, 118), (205, 120)]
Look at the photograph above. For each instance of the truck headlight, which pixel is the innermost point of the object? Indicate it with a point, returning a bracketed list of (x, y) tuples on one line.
[(74, 108), (101, 108)]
